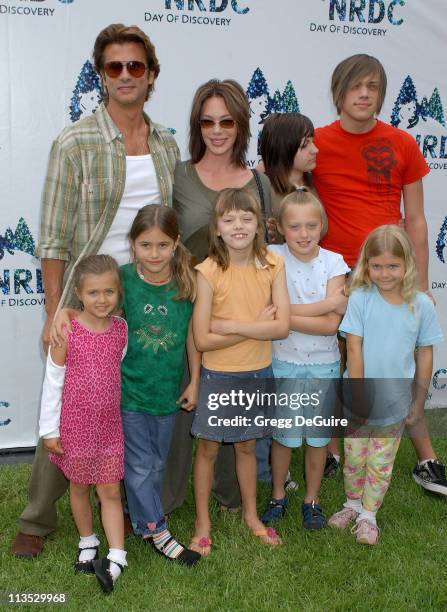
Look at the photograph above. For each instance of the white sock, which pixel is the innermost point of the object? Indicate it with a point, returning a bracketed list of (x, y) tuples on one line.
[(115, 556), (355, 504), (88, 542), (369, 516), (424, 461)]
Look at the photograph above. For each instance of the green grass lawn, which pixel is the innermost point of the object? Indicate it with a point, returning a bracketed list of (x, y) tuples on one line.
[(324, 570)]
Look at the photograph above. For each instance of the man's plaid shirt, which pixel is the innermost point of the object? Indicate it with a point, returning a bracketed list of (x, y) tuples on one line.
[(84, 186)]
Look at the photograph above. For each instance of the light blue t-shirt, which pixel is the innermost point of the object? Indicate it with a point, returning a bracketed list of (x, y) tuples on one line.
[(390, 334)]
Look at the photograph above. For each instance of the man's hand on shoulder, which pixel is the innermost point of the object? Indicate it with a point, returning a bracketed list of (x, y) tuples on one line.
[(46, 332)]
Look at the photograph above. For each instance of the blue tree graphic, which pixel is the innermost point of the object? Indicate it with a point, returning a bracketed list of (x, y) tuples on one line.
[(88, 81), (289, 99), (434, 107), (257, 86)]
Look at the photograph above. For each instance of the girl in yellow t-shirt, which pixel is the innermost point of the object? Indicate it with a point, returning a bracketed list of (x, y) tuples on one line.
[(242, 305)]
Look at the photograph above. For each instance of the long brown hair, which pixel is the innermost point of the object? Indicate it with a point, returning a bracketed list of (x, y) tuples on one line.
[(281, 137), (236, 199), (238, 106), (165, 219)]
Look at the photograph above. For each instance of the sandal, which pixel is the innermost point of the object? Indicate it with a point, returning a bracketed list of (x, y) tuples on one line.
[(270, 534), (276, 508), (313, 517), (201, 545), (85, 567), (101, 567)]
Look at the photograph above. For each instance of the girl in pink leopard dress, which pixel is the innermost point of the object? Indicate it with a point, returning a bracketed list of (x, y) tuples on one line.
[(80, 414)]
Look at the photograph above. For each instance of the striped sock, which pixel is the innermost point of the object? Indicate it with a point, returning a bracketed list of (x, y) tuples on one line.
[(170, 548)]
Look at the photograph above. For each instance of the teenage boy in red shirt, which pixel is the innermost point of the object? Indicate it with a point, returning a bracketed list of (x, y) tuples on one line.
[(364, 168)]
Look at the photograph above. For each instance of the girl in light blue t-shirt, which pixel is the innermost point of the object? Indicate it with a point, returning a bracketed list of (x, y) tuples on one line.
[(386, 320)]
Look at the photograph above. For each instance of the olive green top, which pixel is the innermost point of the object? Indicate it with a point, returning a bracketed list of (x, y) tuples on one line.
[(194, 203)]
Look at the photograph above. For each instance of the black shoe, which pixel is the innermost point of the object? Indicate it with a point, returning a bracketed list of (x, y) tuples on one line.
[(101, 567), (331, 467), (431, 476), (85, 567), (186, 557)]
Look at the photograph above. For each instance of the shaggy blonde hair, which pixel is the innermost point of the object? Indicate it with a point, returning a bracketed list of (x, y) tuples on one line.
[(387, 239), (236, 199), (302, 196)]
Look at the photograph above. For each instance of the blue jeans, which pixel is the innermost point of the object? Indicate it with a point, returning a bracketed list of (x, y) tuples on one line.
[(264, 470), (147, 439)]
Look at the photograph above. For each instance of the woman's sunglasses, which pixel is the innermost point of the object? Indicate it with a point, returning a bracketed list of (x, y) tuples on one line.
[(135, 68), (225, 124)]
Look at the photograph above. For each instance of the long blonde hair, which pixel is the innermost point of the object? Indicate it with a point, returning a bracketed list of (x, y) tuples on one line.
[(165, 219), (387, 239), (236, 199)]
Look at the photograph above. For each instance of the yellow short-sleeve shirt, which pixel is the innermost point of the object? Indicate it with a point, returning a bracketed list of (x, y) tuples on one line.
[(240, 293)]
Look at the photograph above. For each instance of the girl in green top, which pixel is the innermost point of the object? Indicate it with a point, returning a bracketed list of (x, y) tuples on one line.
[(158, 291)]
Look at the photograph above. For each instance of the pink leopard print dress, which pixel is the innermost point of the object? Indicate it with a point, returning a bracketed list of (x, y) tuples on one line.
[(90, 424)]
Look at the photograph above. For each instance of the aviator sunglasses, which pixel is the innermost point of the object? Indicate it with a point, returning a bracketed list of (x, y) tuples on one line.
[(135, 68), (225, 124)]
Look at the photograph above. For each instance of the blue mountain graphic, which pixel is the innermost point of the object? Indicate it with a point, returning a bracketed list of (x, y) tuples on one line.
[(88, 81), (20, 240), (423, 109), (286, 102)]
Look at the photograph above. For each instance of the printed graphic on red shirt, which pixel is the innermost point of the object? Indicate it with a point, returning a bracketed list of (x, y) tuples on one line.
[(380, 161)]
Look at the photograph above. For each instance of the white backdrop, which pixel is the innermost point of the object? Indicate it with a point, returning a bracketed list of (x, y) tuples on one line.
[(282, 52)]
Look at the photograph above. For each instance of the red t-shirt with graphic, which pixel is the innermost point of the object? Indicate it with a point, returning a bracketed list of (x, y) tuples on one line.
[(359, 178)]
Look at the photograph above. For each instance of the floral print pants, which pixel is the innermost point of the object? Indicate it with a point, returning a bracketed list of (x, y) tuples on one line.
[(369, 458)]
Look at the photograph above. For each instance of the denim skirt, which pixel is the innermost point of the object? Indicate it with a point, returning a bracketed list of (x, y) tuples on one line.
[(234, 406)]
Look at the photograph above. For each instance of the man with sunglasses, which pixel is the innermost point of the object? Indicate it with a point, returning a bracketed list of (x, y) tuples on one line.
[(101, 170)]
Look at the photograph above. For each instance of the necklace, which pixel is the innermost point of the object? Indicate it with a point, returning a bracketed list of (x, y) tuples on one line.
[(153, 282)]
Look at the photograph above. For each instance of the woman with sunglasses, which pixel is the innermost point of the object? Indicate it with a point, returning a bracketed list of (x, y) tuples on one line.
[(218, 141), (219, 134)]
